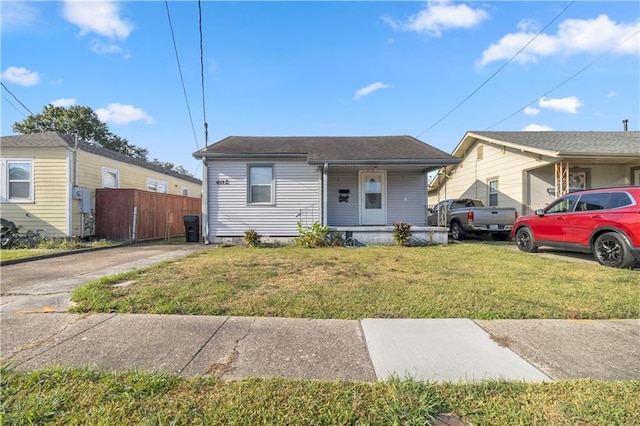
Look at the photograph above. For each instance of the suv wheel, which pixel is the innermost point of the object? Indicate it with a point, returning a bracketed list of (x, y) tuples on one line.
[(525, 241), (611, 249)]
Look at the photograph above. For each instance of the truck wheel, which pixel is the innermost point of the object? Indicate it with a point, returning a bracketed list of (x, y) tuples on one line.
[(457, 233), (610, 249), (525, 241)]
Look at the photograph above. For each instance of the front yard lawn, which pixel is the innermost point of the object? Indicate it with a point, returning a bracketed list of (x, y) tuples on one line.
[(477, 281)]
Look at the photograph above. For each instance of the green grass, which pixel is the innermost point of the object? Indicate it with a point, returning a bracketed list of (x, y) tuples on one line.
[(478, 281), (63, 396), (22, 253), (52, 245)]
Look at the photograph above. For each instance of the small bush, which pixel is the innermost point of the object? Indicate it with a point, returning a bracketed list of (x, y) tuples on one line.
[(402, 233), (252, 238), (311, 237)]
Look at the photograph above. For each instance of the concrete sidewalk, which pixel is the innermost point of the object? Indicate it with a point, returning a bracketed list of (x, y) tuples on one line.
[(234, 348)]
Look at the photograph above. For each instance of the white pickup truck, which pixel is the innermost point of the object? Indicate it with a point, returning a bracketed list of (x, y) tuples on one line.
[(468, 216)]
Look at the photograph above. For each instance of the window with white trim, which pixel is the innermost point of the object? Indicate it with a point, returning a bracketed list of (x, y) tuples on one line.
[(185, 191), (17, 181), (260, 188), (157, 185), (493, 193), (110, 177)]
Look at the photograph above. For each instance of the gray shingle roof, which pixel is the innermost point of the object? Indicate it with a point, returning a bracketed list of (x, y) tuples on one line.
[(566, 143), (331, 149), (57, 139)]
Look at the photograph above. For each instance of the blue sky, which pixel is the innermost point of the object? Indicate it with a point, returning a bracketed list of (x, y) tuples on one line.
[(323, 68)]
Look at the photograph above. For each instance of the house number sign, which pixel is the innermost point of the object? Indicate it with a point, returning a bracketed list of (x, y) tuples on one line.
[(222, 182)]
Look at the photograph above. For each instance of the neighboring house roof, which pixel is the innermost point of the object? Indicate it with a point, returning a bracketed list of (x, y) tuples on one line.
[(331, 149), (57, 139), (561, 143)]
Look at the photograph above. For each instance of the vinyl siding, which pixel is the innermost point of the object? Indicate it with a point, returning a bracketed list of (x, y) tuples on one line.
[(406, 198), (471, 177), (48, 211), (297, 197), (345, 213), (129, 176)]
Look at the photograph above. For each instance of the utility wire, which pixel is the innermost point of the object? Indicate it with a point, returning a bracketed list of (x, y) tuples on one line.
[(184, 90), (14, 97), (204, 109), (495, 73), (14, 107), (561, 84)]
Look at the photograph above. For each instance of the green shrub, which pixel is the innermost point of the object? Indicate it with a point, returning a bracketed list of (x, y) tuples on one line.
[(252, 238), (402, 233), (311, 237)]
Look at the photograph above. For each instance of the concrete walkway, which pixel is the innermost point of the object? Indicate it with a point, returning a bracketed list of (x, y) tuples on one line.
[(441, 350)]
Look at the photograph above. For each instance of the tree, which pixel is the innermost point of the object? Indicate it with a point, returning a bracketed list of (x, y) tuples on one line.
[(81, 120)]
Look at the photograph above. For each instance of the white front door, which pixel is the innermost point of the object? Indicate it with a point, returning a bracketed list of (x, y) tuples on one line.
[(373, 198), (636, 177)]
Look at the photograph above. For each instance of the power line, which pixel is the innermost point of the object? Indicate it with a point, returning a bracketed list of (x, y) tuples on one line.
[(14, 107), (184, 90), (495, 73), (561, 84), (14, 97), (204, 109)]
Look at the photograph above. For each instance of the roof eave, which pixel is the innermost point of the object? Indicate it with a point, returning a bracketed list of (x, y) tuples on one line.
[(413, 161)]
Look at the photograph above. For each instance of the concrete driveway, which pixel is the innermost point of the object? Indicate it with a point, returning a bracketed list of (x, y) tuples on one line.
[(45, 285)]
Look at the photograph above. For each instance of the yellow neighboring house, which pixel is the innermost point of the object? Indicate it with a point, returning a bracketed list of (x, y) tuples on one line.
[(48, 181)]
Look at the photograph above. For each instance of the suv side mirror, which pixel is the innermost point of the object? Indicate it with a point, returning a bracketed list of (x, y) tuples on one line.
[(540, 212)]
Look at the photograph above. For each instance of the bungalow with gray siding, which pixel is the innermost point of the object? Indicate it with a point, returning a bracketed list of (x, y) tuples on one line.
[(359, 185)]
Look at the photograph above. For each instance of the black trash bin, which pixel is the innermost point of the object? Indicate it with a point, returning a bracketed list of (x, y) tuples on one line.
[(192, 228)]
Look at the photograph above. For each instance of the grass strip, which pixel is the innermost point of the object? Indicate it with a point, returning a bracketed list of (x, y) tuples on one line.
[(62, 396)]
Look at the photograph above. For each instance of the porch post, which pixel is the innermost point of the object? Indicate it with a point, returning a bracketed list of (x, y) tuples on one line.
[(325, 193)]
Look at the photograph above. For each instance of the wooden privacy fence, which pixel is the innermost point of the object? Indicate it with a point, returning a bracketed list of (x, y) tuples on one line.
[(135, 215)]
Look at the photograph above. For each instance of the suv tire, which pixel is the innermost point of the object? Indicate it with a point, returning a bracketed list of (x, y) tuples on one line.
[(525, 241), (611, 249)]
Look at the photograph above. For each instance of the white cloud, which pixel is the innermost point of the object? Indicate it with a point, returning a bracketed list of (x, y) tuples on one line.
[(17, 14), (570, 104), (595, 36), (63, 102), (100, 17), (370, 89), (21, 76), (122, 114), (612, 94), (537, 128), (440, 16), (109, 49), (531, 111)]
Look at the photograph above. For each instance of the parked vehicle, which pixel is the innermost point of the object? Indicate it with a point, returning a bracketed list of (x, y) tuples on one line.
[(468, 216), (605, 222)]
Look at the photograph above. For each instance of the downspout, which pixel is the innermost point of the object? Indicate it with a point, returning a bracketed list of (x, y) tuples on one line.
[(205, 202), (325, 193), (70, 186)]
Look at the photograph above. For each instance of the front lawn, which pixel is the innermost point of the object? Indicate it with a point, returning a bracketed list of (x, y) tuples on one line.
[(80, 396), (477, 281)]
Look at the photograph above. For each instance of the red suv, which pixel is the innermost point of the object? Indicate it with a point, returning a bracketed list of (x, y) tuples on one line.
[(605, 222)]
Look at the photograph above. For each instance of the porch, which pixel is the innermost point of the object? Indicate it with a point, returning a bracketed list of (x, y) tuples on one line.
[(420, 235)]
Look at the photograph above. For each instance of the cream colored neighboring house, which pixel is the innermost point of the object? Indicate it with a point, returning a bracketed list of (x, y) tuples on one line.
[(49, 180), (527, 170)]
